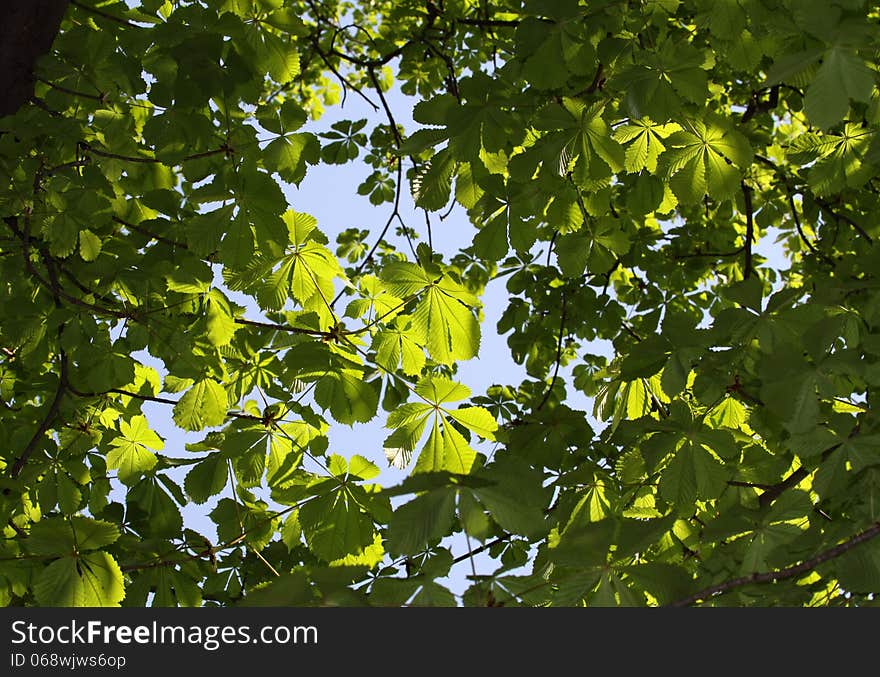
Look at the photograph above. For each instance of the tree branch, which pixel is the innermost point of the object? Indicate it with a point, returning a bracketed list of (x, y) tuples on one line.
[(284, 327), (750, 230), (52, 285), (800, 230), (821, 202), (46, 424), (152, 398), (797, 476), (827, 206), (783, 574), (225, 149)]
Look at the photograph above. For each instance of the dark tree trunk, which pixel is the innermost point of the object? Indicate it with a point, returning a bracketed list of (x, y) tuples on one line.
[(27, 30)]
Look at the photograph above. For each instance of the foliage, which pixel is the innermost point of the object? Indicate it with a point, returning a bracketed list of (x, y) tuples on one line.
[(619, 160)]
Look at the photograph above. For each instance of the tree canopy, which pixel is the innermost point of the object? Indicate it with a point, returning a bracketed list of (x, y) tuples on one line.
[(619, 161)]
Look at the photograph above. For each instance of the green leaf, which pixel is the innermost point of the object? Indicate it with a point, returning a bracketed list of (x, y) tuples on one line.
[(395, 346), (432, 185), (280, 58), (473, 517), (405, 279), (646, 358), (153, 509), (204, 231), (421, 522), (335, 526), (646, 143), (477, 420), (202, 406), (69, 494), (678, 484), (594, 137), (446, 325), (238, 244), (131, 453), (91, 580), (842, 76), (668, 583), (58, 536), (467, 190), (287, 20), (706, 158), (313, 272), (491, 241), (220, 319), (692, 473), (349, 398), (89, 245), (795, 400), (458, 457), (859, 569), (517, 498), (432, 594), (729, 413), (748, 293), (290, 156), (440, 390), (207, 478), (432, 457)]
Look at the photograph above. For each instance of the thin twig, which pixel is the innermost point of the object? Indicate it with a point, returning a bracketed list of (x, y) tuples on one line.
[(629, 329), (482, 548), (489, 23), (395, 213), (550, 246), (39, 103), (149, 233), (66, 165), (346, 85), (800, 230), (428, 226), (102, 98), (398, 141), (608, 275), (104, 15), (445, 215), (821, 202), (558, 353), (749, 485), (702, 254)]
